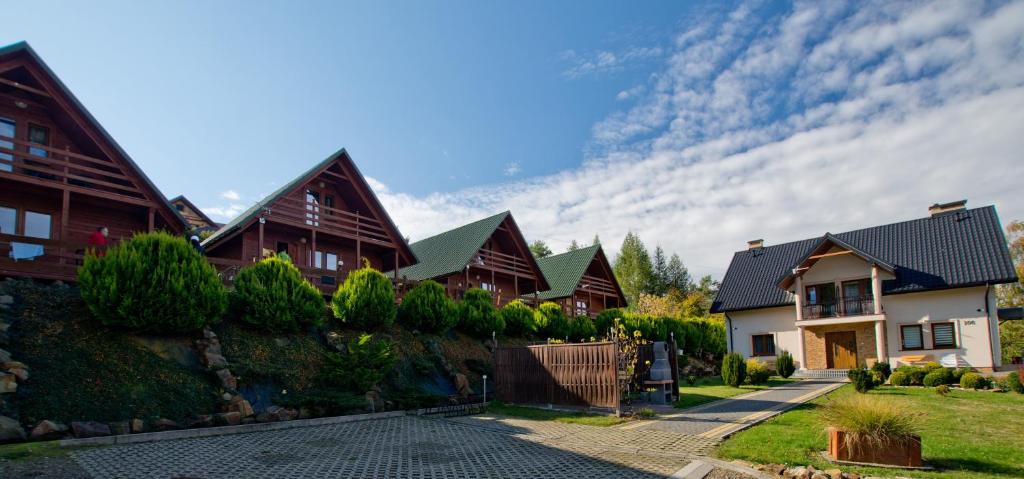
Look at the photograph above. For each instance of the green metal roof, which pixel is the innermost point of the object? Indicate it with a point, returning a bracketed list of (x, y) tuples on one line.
[(242, 220), (565, 270), (449, 252)]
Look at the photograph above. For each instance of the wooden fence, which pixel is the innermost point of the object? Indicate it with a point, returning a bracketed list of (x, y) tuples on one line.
[(568, 374)]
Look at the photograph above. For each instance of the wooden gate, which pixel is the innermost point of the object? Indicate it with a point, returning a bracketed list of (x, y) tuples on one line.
[(581, 374)]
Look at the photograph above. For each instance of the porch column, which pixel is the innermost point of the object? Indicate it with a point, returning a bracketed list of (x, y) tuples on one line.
[(152, 218), (800, 349), (312, 255), (799, 296), (876, 289), (396, 265), (65, 206), (259, 247), (880, 341)]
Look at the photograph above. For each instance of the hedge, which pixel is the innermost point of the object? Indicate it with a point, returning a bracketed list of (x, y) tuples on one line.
[(552, 322), (272, 295), (477, 315), (520, 319), (152, 282), (581, 329), (366, 299), (428, 308)]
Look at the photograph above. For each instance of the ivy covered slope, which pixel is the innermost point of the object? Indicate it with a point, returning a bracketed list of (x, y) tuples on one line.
[(82, 371)]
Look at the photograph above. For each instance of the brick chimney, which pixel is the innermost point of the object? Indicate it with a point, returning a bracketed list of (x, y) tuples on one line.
[(940, 208), (755, 244)]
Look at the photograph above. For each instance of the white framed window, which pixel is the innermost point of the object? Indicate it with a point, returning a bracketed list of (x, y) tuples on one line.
[(331, 262), (488, 287), (8, 129), (8, 220), (582, 308), (37, 225)]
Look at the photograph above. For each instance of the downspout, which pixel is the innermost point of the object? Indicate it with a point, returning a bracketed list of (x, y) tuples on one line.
[(728, 323)]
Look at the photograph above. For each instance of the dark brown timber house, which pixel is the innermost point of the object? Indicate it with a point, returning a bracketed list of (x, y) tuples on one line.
[(489, 254), (193, 215), (582, 282), (62, 176), (326, 219)]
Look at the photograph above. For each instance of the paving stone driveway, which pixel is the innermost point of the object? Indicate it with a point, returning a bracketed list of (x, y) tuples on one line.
[(407, 447)]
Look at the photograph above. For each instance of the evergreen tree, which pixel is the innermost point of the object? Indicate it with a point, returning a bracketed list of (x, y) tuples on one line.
[(596, 241), (678, 277), (540, 249), (659, 276), (633, 267), (574, 246)]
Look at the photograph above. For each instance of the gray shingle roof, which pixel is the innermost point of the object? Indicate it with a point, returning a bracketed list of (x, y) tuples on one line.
[(950, 250)]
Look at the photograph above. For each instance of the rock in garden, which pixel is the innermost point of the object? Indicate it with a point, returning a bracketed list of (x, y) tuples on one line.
[(10, 430), (289, 414), (462, 386), (227, 380), (232, 418), (797, 473), (241, 406), (214, 361), (8, 383), (820, 475), (208, 333), (136, 426), (269, 415), (4, 356), (47, 430), (226, 397), (202, 420), (6, 299), (120, 428), (373, 401), (21, 374), (774, 469), (164, 424), (851, 475), (89, 429), (834, 473)]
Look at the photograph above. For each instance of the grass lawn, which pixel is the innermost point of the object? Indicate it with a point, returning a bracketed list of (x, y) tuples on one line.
[(538, 414), (711, 389), (34, 450), (966, 434)]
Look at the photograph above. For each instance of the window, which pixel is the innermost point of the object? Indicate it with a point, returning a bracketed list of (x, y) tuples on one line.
[(318, 259), (312, 208), (487, 287), (332, 262), (40, 136), (8, 220), (943, 335), (179, 207), (6, 129), (329, 203), (764, 345), (37, 225), (910, 337), (581, 307)]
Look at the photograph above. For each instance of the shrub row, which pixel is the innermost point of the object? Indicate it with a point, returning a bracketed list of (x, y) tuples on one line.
[(693, 335)]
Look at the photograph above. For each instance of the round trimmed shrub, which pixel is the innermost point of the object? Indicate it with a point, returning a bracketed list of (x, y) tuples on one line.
[(551, 321), (154, 283), (757, 372), (882, 368), (428, 308), (973, 381), (582, 329), (477, 315), (937, 377), (899, 378), (862, 379), (959, 373), (1013, 382), (784, 364), (915, 374), (520, 319), (931, 366), (734, 369), (605, 320), (366, 299), (272, 295)]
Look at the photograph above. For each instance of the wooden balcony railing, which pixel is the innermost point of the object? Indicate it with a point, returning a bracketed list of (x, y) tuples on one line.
[(501, 262), (330, 220), (597, 286), (325, 280), (64, 168), (59, 259), (857, 306)]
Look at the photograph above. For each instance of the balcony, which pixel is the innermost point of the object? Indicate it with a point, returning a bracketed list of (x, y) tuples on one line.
[(857, 306)]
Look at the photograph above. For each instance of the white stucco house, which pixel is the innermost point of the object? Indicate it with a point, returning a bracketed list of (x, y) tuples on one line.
[(908, 292)]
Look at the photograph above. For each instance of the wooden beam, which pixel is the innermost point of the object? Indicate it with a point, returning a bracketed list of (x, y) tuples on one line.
[(314, 253), (826, 255), (65, 205), (14, 84), (151, 213), (259, 247)]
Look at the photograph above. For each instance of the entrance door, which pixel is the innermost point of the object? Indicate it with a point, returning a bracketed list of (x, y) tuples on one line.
[(841, 350)]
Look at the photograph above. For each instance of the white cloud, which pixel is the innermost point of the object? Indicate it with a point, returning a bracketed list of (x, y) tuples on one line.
[(224, 213), (512, 169), (599, 62), (231, 195), (822, 119)]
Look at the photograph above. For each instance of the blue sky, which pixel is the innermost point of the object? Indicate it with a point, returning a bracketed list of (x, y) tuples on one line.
[(698, 125)]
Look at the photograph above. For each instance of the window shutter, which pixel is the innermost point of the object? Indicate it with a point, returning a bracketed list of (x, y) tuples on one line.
[(912, 337), (943, 335)]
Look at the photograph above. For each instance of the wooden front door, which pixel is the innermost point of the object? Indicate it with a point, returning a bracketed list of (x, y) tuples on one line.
[(841, 350)]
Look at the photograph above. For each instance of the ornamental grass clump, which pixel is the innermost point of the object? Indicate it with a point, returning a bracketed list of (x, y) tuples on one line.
[(366, 299), (869, 422), (428, 308), (154, 283), (273, 296)]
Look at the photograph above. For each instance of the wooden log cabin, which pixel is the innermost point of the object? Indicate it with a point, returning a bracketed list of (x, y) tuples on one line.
[(325, 220), (197, 220), (62, 176), (582, 282), (490, 254)]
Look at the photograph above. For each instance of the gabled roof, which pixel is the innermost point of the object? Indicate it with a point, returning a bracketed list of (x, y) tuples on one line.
[(252, 214), (564, 271), (155, 195), (950, 250), (447, 253), (194, 209), (824, 244)]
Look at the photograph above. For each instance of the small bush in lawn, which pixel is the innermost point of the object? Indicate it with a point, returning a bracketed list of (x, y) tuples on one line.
[(551, 321), (862, 379), (273, 296), (691, 379), (477, 315), (581, 329), (427, 308), (153, 282), (877, 377), (870, 421), (916, 374), (959, 373), (364, 364), (757, 372), (883, 368), (734, 369), (520, 319), (942, 390), (973, 381), (937, 377), (646, 412), (605, 320), (899, 378), (366, 299), (1014, 383), (931, 366), (784, 364)]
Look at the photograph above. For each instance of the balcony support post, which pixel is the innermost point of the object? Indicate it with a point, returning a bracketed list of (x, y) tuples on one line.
[(313, 254), (876, 289), (800, 349), (880, 341), (65, 205), (799, 296)]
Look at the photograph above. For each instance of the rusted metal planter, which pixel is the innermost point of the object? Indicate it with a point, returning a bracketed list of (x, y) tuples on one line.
[(904, 453)]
